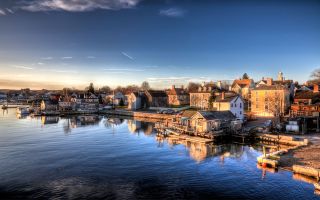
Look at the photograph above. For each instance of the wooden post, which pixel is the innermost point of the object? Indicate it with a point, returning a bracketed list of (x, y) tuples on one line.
[(318, 125), (264, 151)]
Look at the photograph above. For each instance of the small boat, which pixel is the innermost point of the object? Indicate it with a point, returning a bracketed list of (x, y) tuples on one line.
[(22, 111), (4, 107)]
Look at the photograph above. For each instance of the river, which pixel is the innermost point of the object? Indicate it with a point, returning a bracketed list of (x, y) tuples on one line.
[(94, 157)]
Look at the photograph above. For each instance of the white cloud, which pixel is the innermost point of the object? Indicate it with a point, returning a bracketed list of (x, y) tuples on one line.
[(22, 67), (126, 55), (177, 79), (77, 5), (47, 58), (40, 63), (10, 11), (60, 71), (172, 12), (66, 57), (2, 12)]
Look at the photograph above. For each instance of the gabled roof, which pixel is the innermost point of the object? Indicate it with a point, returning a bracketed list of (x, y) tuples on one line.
[(243, 83), (188, 113), (177, 91), (157, 93), (227, 97), (271, 87), (221, 115), (307, 94)]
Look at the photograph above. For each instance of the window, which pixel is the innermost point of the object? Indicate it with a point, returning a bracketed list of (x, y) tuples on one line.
[(235, 105), (240, 105), (231, 105), (240, 113)]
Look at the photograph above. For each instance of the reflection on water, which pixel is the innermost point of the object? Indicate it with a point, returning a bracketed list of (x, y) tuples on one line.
[(97, 157)]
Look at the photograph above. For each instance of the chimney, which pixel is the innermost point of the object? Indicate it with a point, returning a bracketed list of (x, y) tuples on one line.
[(269, 81), (315, 88), (222, 95), (173, 87)]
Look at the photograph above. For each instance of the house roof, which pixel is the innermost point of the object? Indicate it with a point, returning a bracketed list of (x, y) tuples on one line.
[(188, 113), (208, 88), (243, 83), (212, 115), (227, 97), (177, 91), (270, 87), (157, 93), (284, 82), (307, 94)]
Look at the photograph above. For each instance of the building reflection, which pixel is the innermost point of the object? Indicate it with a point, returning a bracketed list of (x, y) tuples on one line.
[(199, 151), (135, 126), (49, 120), (80, 121)]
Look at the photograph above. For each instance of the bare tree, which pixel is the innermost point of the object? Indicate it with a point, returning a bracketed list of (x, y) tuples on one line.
[(315, 77), (145, 85), (105, 89), (193, 86), (275, 104)]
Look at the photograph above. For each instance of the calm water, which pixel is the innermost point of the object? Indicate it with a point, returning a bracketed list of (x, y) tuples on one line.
[(96, 157)]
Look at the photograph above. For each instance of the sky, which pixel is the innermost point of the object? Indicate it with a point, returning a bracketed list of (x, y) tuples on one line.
[(62, 43)]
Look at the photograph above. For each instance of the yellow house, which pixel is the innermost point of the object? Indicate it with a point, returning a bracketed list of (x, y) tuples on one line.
[(270, 100)]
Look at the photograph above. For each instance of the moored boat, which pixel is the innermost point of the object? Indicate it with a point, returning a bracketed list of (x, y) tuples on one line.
[(4, 107)]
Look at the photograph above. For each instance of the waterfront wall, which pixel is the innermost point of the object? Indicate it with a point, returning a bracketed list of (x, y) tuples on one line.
[(138, 114)]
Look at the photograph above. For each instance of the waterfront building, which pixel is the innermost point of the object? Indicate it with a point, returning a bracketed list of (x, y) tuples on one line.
[(49, 105), (116, 98), (178, 96), (270, 100), (306, 102), (229, 102), (202, 97), (157, 98), (243, 87), (289, 84), (205, 121), (137, 100)]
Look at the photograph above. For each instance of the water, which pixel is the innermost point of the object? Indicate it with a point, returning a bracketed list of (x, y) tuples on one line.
[(100, 158)]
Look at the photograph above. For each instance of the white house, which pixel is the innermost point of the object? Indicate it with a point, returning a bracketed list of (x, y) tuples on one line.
[(229, 102), (116, 98), (137, 100)]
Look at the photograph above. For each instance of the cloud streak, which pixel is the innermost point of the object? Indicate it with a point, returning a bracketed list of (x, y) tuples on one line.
[(172, 12), (47, 58), (66, 57), (176, 79), (77, 5), (60, 71), (10, 11), (2, 12), (126, 55), (23, 67), (122, 70)]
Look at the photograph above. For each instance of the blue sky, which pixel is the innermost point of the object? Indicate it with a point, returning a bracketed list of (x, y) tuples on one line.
[(56, 43)]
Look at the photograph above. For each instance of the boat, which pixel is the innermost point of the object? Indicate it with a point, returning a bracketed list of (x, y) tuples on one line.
[(22, 111), (4, 107)]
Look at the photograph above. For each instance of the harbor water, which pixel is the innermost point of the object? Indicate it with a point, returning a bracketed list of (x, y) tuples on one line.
[(96, 157)]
